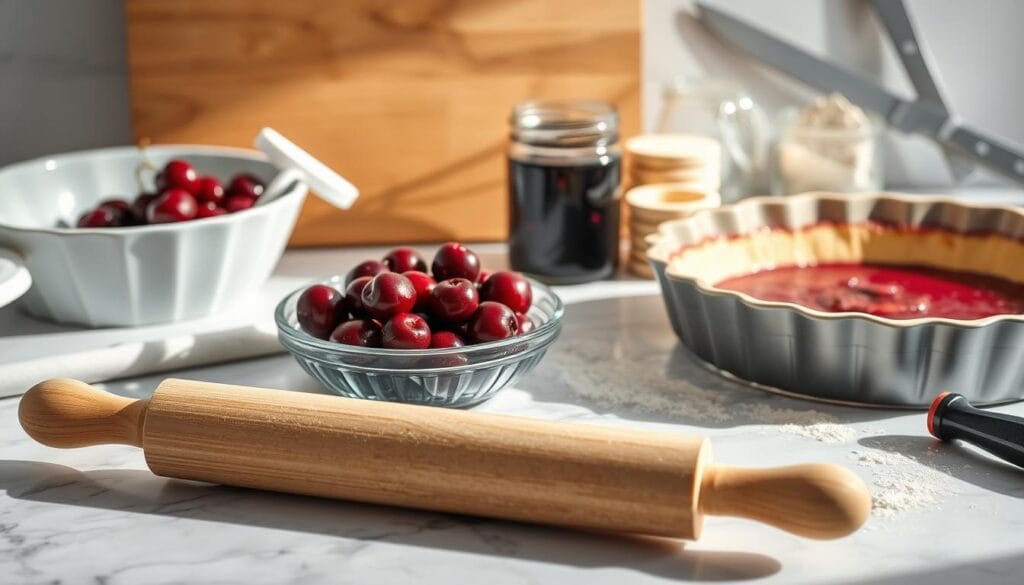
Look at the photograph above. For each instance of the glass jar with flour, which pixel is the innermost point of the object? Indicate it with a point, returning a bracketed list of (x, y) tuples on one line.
[(830, 145)]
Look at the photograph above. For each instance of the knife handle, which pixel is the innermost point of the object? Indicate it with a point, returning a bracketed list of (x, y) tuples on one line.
[(990, 153)]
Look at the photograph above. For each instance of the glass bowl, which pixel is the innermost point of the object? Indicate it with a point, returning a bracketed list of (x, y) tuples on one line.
[(453, 377)]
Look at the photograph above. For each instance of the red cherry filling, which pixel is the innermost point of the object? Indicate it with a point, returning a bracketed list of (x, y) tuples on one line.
[(171, 206), (453, 260), (367, 268), (510, 289), (361, 332), (404, 260), (319, 310), (406, 331), (491, 322), (387, 295), (454, 300)]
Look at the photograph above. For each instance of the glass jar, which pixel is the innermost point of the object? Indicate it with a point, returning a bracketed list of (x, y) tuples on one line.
[(725, 112), (846, 160), (563, 184)]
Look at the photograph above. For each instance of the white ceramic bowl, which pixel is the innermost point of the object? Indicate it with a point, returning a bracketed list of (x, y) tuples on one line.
[(136, 275)]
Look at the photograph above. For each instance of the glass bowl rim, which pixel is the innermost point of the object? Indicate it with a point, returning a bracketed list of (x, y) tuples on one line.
[(296, 334)]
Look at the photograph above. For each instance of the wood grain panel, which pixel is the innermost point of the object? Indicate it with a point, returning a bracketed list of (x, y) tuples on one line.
[(408, 99)]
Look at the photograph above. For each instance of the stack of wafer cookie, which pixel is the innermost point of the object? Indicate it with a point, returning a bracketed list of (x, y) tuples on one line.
[(650, 205), (672, 176), (675, 158)]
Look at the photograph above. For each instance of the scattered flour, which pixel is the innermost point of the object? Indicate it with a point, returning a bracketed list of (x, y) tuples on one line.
[(824, 432), (687, 402), (902, 483)]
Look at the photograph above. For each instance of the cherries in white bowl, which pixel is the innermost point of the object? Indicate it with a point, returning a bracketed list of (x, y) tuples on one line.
[(180, 194), (140, 274), (404, 328)]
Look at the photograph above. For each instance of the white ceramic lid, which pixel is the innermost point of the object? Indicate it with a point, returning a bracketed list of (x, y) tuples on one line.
[(327, 184)]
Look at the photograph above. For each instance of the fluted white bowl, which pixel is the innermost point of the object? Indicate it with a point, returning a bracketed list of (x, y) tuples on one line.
[(143, 274)]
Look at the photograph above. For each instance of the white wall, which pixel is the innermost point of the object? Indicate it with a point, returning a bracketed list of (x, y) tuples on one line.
[(63, 77), (977, 49)]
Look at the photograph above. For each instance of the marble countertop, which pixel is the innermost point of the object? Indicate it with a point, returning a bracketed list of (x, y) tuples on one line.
[(97, 515)]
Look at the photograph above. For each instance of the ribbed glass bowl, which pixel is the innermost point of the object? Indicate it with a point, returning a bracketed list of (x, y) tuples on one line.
[(454, 377)]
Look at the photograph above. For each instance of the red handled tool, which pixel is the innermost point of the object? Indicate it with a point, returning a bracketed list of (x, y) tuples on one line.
[(951, 416)]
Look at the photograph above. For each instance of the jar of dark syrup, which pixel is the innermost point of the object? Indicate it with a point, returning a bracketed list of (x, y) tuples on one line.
[(563, 183)]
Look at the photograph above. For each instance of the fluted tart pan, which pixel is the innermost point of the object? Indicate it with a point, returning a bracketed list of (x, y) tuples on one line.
[(844, 356)]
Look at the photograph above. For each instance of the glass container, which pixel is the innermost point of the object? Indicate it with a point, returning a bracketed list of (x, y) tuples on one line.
[(723, 111), (563, 184), (456, 377), (827, 159)]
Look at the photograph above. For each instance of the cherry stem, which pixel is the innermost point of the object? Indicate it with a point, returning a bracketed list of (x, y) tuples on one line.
[(146, 164)]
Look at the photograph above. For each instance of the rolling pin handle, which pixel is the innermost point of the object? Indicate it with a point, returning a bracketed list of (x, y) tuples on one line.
[(817, 501), (68, 413)]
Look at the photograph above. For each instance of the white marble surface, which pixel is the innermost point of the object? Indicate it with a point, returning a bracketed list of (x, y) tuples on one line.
[(96, 515)]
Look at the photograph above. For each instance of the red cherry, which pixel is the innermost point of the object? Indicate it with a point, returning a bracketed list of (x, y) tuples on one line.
[(454, 300), (445, 339), (209, 209), (406, 331), (101, 217), (139, 207), (491, 322), (236, 203), (361, 332), (404, 260), (453, 260), (482, 277), (510, 289), (354, 296), (171, 206), (525, 324), (178, 174), (210, 189), (387, 295), (423, 284), (247, 185), (320, 308), (367, 268), (122, 211), (119, 204)]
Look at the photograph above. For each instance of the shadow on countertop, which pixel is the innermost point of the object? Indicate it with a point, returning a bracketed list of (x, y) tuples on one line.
[(955, 459), (144, 493), (620, 356)]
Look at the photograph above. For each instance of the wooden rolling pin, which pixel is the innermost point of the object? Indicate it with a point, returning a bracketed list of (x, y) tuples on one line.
[(577, 475)]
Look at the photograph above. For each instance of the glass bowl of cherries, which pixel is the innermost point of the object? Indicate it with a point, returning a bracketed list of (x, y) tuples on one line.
[(391, 330)]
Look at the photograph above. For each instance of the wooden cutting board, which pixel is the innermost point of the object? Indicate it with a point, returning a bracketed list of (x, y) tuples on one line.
[(408, 99)]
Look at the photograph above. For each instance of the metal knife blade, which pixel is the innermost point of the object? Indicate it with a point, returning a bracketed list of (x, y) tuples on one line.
[(918, 64), (901, 114), (822, 74)]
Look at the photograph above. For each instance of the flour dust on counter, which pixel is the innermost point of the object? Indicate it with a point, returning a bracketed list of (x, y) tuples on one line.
[(903, 483), (900, 484)]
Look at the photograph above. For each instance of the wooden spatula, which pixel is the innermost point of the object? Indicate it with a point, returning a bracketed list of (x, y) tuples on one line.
[(464, 462)]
